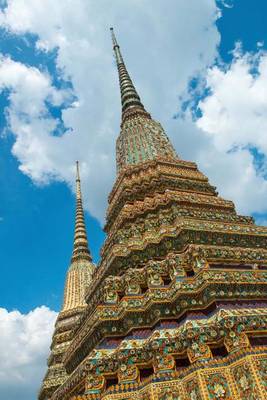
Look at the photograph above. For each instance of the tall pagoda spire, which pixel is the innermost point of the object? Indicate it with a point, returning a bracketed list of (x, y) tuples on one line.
[(78, 278), (81, 269), (130, 100), (80, 247), (141, 138)]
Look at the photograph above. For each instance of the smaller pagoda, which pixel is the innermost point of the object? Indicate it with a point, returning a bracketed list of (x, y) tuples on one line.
[(79, 276)]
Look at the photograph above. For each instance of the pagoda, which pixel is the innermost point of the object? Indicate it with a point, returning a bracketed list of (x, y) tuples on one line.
[(78, 278), (176, 309)]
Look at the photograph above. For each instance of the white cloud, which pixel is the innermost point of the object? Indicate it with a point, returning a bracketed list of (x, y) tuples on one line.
[(234, 120), (28, 117), (79, 29), (24, 345), (235, 114), (226, 3)]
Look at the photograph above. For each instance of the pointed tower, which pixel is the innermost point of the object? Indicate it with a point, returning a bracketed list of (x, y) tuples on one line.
[(81, 269), (178, 307), (78, 279), (141, 138)]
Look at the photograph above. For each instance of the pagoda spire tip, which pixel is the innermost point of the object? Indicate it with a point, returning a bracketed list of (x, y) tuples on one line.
[(77, 171), (130, 100), (114, 41)]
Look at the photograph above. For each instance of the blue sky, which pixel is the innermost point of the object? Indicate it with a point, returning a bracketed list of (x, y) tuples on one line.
[(244, 21), (59, 102)]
